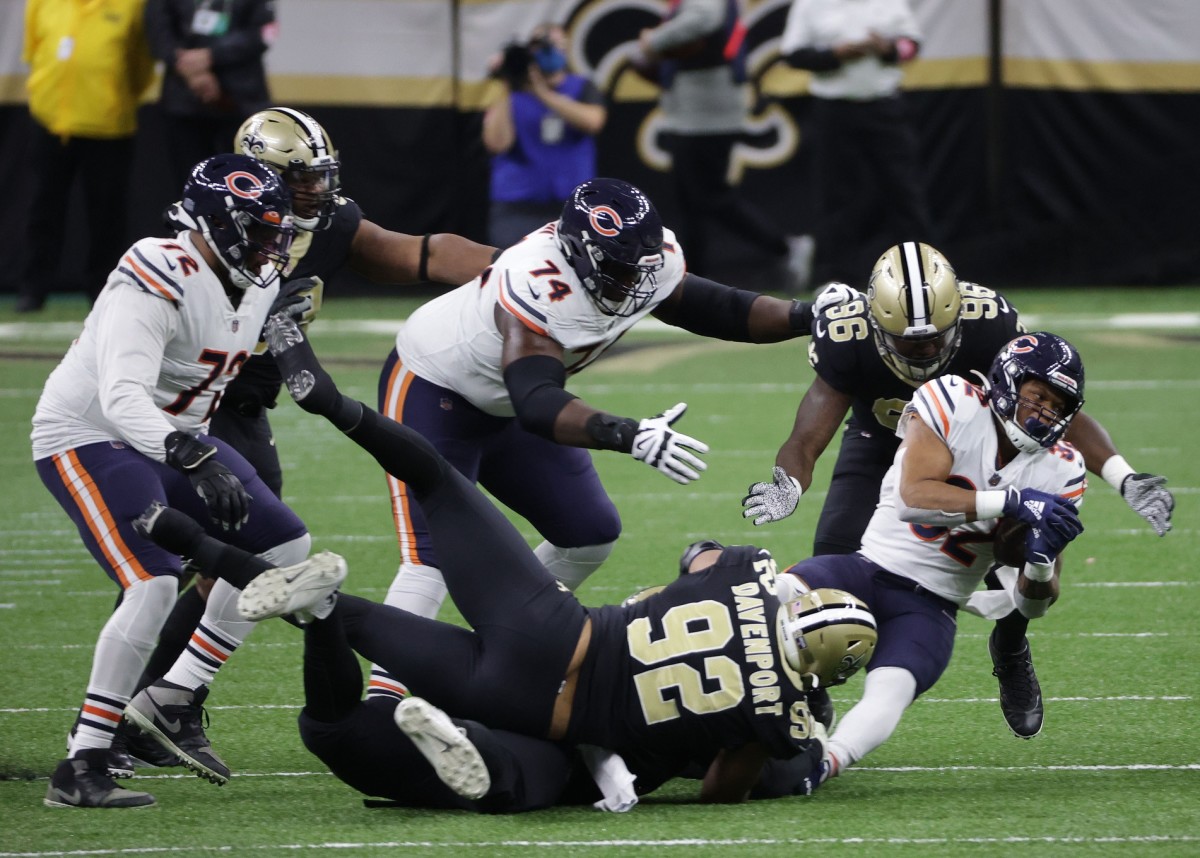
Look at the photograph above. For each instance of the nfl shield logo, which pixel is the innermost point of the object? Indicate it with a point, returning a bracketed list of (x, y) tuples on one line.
[(235, 326)]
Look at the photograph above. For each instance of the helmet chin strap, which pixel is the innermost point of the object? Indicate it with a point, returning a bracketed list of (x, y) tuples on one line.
[(236, 277)]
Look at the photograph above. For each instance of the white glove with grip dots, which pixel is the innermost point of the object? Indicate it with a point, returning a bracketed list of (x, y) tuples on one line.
[(773, 501), (668, 451), (834, 295), (1146, 496)]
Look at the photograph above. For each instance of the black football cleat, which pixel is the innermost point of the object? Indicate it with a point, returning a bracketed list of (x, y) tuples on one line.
[(1020, 693), (83, 781), (172, 716)]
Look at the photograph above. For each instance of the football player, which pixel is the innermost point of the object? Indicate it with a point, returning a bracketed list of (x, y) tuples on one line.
[(917, 322), (481, 371), (332, 234), (969, 455), (121, 422), (711, 665)]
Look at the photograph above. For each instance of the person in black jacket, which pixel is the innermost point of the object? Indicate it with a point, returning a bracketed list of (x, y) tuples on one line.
[(214, 74)]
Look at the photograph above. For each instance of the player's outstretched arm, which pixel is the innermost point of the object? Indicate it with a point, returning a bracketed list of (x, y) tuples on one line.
[(384, 256), (536, 377), (1146, 494)]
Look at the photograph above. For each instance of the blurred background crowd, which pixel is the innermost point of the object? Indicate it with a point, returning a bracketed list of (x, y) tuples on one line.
[(787, 141)]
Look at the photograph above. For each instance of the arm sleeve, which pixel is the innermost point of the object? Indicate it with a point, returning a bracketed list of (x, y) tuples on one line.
[(131, 338), (713, 309), (536, 387), (696, 19)]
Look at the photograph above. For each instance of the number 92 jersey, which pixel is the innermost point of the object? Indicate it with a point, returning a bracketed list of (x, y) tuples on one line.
[(694, 668), (843, 353)]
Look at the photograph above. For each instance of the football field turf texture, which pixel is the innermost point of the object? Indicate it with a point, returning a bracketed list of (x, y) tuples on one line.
[(1116, 770)]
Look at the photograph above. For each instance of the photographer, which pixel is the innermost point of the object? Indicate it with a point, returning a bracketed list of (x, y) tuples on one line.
[(541, 134)]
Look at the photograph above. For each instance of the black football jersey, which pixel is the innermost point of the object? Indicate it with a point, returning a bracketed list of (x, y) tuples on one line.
[(314, 254), (693, 669), (843, 353)]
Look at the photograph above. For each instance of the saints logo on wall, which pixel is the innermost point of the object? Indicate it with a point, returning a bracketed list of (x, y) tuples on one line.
[(604, 46)]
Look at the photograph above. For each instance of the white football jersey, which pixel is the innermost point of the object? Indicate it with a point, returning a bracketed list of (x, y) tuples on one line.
[(453, 341), (158, 348), (952, 561)]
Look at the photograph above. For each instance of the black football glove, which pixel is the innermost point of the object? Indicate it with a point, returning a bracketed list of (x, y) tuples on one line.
[(223, 493), (299, 299)]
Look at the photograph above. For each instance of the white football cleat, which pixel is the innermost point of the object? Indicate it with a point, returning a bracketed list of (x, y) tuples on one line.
[(454, 758), (307, 590)]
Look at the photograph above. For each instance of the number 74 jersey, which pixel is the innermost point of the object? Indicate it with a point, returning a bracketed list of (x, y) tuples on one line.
[(951, 561)]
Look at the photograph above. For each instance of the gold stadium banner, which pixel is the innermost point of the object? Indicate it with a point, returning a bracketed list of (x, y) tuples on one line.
[(1077, 137)]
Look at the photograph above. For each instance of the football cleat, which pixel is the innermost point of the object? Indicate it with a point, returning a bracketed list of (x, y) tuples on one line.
[(120, 764), (455, 760), (1020, 693), (307, 590), (173, 717), (83, 781)]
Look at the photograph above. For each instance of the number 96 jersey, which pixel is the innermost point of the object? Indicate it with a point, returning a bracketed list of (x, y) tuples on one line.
[(843, 353), (694, 668)]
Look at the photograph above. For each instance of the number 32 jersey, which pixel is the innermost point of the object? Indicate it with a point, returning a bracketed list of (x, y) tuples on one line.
[(694, 668), (453, 341), (155, 354), (952, 561)]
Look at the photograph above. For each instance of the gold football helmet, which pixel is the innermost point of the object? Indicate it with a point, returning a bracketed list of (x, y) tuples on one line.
[(827, 636), (915, 311), (295, 145)]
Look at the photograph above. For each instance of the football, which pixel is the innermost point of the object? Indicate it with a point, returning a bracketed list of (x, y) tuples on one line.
[(1008, 542)]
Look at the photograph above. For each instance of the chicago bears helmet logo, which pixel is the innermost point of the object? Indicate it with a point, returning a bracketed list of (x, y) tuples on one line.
[(605, 220), (1023, 344), (245, 185)]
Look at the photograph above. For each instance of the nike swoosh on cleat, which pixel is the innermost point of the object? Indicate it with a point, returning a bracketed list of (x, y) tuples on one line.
[(160, 719)]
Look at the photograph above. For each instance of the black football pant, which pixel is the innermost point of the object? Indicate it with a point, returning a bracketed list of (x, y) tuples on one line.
[(507, 668), (362, 746)]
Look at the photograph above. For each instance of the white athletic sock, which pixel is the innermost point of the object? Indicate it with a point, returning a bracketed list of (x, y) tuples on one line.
[(888, 691), (220, 632), (124, 645)]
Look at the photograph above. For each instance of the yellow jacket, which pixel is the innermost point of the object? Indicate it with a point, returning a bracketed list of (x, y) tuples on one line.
[(88, 65)]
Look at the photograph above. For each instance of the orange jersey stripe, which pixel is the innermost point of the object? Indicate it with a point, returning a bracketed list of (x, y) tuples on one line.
[(936, 400), (149, 278), (519, 313)]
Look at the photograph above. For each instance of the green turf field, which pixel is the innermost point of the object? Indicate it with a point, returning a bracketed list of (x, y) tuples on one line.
[(1115, 772)]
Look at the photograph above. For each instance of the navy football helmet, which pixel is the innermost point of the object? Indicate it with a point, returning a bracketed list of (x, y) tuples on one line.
[(1050, 359), (612, 235), (243, 210)]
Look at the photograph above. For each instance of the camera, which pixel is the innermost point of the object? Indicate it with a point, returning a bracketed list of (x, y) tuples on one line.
[(514, 65)]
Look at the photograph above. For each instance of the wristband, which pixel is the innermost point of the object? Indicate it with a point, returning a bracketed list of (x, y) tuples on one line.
[(423, 264), (1115, 470), (800, 318), (989, 504), (1038, 572), (612, 433)]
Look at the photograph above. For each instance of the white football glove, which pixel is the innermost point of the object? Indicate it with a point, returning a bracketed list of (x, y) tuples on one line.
[(834, 295), (773, 501), (1146, 496), (662, 448)]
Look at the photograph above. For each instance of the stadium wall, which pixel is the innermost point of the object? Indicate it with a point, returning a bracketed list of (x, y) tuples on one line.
[(1060, 135)]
